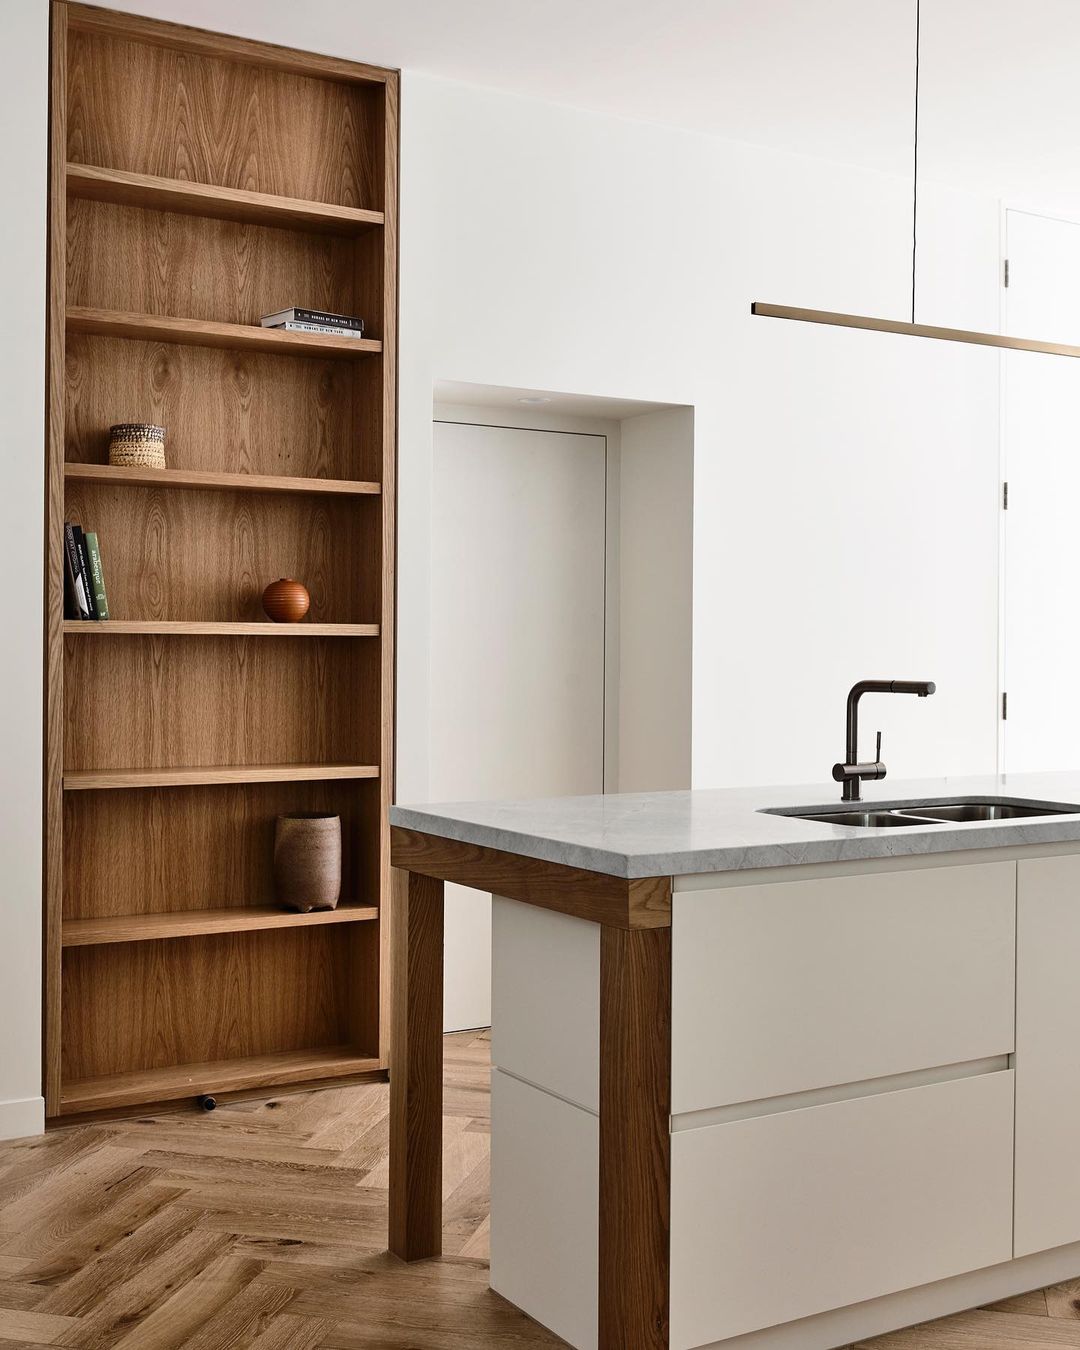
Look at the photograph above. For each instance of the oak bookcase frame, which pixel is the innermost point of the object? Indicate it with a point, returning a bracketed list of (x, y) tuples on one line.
[(196, 181)]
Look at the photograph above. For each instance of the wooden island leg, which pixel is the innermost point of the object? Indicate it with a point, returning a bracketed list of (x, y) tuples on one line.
[(635, 1141), (416, 1070)]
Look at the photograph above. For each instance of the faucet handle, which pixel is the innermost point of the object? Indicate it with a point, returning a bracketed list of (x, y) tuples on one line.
[(877, 753)]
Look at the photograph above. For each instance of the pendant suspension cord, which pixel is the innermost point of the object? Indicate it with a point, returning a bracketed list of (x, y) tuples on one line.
[(915, 164)]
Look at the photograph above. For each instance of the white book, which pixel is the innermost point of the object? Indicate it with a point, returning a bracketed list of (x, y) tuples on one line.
[(294, 327)]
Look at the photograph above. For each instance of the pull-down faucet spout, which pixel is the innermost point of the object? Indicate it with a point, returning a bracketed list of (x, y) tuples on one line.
[(851, 772)]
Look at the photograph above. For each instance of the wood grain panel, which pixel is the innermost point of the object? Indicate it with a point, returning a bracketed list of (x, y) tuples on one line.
[(635, 1143), (223, 411), (151, 1005), (91, 183), (159, 850), (200, 628), (116, 1091), (55, 350), (640, 903), (132, 476), (141, 702), (129, 324), (160, 262), (387, 121), (184, 38), (195, 923), (189, 555), (217, 121), (216, 775), (416, 1086)]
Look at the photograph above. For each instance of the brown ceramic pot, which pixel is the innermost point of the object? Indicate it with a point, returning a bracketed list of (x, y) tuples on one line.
[(285, 601), (307, 861)]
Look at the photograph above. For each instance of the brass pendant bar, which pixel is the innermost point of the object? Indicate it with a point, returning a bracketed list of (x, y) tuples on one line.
[(923, 330)]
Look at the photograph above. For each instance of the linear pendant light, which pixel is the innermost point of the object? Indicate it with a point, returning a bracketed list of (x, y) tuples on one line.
[(762, 310), (923, 330)]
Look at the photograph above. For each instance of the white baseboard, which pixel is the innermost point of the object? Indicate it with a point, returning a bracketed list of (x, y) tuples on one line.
[(21, 1118), (844, 1326)]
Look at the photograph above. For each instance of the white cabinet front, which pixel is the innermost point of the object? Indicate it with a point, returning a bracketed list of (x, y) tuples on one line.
[(785, 1215), (791, 986), (1047, 1054), (545, 1198)]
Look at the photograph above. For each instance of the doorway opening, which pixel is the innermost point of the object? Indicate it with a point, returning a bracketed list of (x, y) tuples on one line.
[(561, 566)]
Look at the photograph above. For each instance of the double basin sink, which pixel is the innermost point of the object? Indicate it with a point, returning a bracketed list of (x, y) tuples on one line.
[(958, 810)]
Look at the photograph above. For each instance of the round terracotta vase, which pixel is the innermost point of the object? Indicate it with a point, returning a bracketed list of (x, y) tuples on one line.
[(307, 861), (285, 601)]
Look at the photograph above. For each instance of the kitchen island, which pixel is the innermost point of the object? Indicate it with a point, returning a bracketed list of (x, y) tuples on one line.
[(760, 1081)]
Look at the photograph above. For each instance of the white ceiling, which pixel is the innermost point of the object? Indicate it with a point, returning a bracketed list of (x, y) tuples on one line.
[(834, 78), (526, 402)]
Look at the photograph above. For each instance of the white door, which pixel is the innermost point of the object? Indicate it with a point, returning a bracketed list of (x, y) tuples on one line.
[(1042, 524), (517, 643)]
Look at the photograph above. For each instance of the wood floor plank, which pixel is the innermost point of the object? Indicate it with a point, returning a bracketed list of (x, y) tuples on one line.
[(1063, 1300), (49, 1215), (262, 1226), (17, 1295), (32, 1160), (79, 1289), (288, 1332), (197, 1307), (1033, 1303), (981, 1330), (172, 1274), (43, 1328), (243, 1319)]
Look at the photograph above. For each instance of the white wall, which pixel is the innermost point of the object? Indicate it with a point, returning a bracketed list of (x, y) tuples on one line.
[(844, 483), (23, 153)]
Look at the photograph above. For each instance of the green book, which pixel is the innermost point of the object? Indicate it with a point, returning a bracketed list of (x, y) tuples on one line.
[(97, 576)]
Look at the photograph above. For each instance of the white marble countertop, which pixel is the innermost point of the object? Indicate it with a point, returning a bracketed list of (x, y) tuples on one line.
[(726, 829)]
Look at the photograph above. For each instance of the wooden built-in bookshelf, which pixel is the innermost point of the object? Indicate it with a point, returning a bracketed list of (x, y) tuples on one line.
[(198, 181)]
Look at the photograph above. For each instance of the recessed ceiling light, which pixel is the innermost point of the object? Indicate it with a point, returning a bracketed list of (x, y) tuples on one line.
[(534, 400)]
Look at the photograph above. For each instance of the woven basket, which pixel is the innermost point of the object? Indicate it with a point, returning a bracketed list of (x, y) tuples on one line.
[(137, 445)]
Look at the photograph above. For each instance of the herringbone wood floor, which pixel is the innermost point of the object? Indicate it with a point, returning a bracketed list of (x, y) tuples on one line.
[(263, 1224)]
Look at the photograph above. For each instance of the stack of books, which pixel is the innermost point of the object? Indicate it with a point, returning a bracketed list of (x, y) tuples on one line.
[(296, 320), (84, 578)]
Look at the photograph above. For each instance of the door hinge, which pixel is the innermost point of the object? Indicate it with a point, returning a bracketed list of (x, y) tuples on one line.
[(1004, 707), (1006, 271), (1005, 496)]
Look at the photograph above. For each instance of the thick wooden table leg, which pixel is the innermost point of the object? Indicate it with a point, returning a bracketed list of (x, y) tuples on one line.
[(416, 1070), (635, 1151)]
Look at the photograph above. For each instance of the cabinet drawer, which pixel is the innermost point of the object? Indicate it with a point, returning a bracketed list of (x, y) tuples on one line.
[(545, 1207), (782, 1216), (805, 984)]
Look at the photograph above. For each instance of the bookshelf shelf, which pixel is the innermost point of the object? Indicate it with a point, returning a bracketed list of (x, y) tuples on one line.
[(110, 1091), (197, 922), (120, 188), (115, 475), (238, 337), (280, 467), (198, 628), (92, 780)]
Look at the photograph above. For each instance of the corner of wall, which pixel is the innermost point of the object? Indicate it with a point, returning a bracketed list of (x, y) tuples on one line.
[(19, 1119)]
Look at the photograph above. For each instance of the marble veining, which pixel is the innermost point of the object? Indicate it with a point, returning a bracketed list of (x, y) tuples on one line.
[(728, 829)]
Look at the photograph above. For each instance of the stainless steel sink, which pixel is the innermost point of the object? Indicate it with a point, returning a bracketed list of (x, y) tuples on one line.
[(869, 820), (960, 810), (964, 811)]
